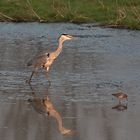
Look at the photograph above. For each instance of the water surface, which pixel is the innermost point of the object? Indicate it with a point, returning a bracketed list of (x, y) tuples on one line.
[(100, 62)]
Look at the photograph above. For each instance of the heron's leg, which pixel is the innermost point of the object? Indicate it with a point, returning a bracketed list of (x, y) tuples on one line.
[(48, 69), (47, 75), (47, 72), (33, 72), (31, 75)]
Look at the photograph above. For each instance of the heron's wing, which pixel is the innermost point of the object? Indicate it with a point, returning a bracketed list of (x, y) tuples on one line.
[(39, 60)]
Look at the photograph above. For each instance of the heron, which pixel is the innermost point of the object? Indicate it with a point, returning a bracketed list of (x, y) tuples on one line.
[(46, 59)]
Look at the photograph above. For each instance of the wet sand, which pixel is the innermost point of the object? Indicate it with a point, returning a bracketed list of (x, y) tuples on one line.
[(100, 62)]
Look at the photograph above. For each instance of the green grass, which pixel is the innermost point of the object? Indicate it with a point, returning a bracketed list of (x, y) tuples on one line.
[(116, 13)]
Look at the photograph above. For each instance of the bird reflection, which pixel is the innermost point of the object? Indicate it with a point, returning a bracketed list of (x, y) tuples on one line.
[(120, 107), (45, 106), (54, 113)]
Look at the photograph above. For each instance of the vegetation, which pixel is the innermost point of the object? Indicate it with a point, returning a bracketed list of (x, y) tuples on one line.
[(114, 13)]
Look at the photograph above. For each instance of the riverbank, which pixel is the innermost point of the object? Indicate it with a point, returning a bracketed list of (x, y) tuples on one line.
[(119, 13)]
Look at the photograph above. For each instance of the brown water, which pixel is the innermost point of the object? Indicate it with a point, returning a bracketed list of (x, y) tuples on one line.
[(100, 62)]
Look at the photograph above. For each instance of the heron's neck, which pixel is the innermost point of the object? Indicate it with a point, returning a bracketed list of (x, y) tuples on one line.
[(59, 49)]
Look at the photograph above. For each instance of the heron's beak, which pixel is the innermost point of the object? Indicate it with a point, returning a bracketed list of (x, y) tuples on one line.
[(74, 38), (70, 37)]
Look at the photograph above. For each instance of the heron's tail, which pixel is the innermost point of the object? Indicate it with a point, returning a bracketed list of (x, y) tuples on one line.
[(114, 94), (29, 63)]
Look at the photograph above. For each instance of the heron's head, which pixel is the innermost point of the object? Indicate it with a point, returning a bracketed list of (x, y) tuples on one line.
[(65, 37)]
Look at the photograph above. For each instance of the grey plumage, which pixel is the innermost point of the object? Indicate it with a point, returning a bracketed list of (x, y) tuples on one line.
[(39, 61)]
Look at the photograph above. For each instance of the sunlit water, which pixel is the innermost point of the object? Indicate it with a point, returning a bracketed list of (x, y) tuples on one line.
[(100, 62)]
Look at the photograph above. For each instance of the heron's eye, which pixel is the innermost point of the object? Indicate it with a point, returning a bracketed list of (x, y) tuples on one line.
[(48, 54)]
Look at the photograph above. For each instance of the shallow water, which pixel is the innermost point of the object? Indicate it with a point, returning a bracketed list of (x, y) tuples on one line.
[(100, 62)]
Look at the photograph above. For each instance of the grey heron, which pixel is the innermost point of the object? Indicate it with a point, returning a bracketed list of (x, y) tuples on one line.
[(46, 60)]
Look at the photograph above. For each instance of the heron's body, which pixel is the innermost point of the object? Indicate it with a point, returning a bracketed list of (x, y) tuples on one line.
[(46, 60), (120, 96)]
